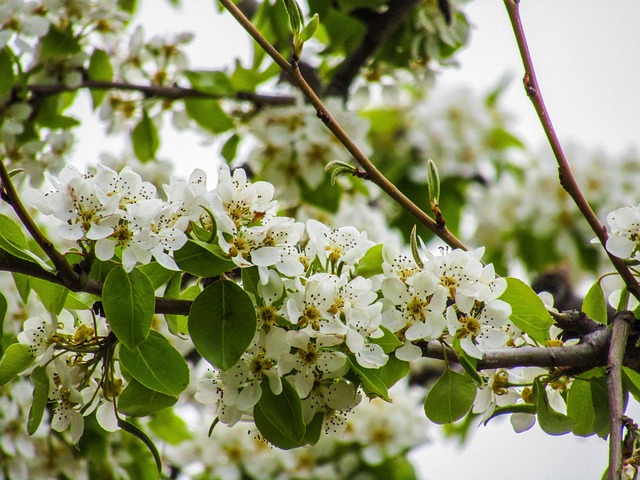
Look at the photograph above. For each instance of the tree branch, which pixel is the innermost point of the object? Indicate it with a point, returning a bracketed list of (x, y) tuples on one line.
[(374, 174), (617, 349), (9, 263), (69, 278), (592, 352), (171, 93), (379, 28), (567, 179)]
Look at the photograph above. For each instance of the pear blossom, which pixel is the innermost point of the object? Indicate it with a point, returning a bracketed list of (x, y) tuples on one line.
[(624, 225), (345, 245)]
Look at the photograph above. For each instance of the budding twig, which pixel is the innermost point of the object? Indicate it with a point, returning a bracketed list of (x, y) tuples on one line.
[(292, 70), (567, 179)]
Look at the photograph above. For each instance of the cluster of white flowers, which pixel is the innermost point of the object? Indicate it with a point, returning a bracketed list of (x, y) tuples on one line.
[(293, 147), (110, 210), (67, 346), (452, 292), (376, 431)]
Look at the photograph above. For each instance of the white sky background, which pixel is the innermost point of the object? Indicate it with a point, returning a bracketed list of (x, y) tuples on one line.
[(586, 54)]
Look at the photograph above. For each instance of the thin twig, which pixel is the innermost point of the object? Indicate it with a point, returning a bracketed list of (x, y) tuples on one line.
[(617, 349), (374, 174), (69, 278), (171, 93), (9, 263), (567, 179)]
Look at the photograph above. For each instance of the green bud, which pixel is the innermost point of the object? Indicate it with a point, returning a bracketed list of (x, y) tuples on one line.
[(310, 28), (433, 182), (414, 247), (295, 16)]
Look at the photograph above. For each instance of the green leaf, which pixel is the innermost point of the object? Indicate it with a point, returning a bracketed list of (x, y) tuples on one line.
[(15, 360), (324, 196), (314, 429), (372, 383), (279, 417), (310, 28), (250, 281), (100, 69), (139, 401), (631, 382), (214, 82), (528, 313), (3, 314), (594, 304), (157, 365), (389, 342), (169, 427), (177, 323), (79, 301), (202, 259), (49, 113), (295, 15), (517, 408), (393, 371), (23, 285), (138, 433), (156, 273), (144, 138), (371, 263), (52, 295), (40, 380), (588, 404), (469, 365), (14, 242), (230, 148), (222, 323), (57, 44), (7, 76), (450, 398), (551, 422), (129, 305), (208, 114), (395, 468)]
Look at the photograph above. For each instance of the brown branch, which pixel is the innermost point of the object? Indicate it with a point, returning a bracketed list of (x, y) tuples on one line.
[(379, 28), (171, 93), (592, 352), (617, 349), (69, 278), (567, 179), (9, 263), (374, 174)]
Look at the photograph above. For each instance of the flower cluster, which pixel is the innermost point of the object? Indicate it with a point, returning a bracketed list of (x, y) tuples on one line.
[(71, 349), (375, 432), (111, 210), (451, 293)]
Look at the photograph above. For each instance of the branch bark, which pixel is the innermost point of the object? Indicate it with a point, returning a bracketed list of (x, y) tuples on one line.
[(567, 179), (171, 93), (592, 352), (66, 274), (617, 349)]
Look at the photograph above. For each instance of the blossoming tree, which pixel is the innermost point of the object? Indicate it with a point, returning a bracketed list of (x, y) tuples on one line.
[(266, 323)]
